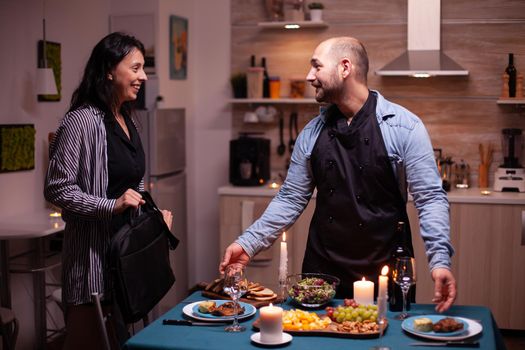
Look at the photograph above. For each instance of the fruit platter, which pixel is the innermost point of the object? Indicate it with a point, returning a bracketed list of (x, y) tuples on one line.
[(347, 320)]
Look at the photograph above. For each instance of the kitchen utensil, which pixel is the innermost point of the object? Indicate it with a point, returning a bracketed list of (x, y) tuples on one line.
[(171, 322), (458, 343), (293, 130), (281, 148), (510, 176)]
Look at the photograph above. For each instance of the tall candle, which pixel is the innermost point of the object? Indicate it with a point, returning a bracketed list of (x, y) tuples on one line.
[(271, 324), (383, 283), (283, 262), (364, 292)]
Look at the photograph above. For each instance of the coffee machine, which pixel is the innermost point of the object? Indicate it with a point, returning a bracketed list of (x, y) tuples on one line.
[(249, 161), (510, 176)]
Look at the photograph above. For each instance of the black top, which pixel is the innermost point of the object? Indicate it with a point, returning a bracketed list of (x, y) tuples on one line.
[(126, 159)]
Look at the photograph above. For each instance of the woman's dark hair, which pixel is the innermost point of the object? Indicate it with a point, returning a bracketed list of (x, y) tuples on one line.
[(95, 88)]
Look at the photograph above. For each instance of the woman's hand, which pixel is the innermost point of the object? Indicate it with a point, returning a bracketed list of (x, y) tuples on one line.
[(130, 198), (168, 217)]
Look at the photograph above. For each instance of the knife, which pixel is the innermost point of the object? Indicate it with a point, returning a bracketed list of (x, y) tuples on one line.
[(191, 323), (459, 344)]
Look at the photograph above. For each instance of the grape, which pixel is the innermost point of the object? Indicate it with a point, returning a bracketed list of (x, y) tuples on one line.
[(357, 313)]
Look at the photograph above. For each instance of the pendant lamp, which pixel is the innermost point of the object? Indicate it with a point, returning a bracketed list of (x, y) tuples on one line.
[(45, 78)]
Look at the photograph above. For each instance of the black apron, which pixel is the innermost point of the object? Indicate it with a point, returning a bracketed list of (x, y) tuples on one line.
[(352, 232)]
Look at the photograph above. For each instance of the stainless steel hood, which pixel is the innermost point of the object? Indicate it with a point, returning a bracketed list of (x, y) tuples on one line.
[(424, 57)]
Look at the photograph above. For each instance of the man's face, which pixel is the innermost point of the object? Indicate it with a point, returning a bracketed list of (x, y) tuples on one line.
[(323, 75)]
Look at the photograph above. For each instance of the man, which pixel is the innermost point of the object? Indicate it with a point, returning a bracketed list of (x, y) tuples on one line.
[(360, 153)]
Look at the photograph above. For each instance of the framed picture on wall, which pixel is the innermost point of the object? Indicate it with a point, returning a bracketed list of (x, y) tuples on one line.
[(17, 147), (178, 47), (54, 61)]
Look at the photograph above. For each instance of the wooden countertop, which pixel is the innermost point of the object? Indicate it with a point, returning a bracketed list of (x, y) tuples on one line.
[(470, 195)]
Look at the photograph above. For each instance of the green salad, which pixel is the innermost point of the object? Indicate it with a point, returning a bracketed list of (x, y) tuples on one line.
[(312, 291)]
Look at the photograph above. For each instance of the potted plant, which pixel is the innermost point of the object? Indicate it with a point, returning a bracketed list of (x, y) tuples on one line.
[(239, 85), (316, 11)]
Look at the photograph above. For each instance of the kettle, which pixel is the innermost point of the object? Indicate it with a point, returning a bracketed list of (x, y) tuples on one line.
[(444, 165)]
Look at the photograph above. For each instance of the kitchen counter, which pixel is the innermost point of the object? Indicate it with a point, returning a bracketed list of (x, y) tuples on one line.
[(470, 195)]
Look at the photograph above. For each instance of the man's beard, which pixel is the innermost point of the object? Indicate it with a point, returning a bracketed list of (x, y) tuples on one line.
[(327, 92)]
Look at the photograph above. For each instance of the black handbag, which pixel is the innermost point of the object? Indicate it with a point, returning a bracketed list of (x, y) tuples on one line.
[(139, 257)]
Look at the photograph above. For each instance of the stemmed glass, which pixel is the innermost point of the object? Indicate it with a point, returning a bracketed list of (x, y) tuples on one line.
[(404, 275), (235, 285)]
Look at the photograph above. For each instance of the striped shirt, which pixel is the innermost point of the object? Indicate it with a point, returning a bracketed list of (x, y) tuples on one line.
[(76, 181)]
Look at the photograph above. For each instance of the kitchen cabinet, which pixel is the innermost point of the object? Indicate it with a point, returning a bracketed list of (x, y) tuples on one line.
[(264, 268), (490, 259), (486, 233)]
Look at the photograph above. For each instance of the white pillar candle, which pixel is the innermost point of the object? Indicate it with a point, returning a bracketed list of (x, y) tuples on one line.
[(271, 324), (364, 292), (283, 262), (383, 283)]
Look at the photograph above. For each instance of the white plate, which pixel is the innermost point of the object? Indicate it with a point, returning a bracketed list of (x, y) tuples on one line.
[(472, 329), (256, 338), (191, 310)]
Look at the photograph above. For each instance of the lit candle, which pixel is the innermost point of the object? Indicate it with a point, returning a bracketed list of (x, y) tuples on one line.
[(283, 262), (364, 292), (383, 283), (271, 324)]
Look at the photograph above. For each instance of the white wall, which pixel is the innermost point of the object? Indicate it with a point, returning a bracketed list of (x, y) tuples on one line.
[(211, 132), (78, 25), (204, 94)]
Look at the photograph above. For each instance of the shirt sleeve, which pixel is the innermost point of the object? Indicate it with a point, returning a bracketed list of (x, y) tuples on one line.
[(430, 199), (288, 204), (72, 160)]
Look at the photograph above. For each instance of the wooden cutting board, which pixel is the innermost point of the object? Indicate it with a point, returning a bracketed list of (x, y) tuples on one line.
[(256, 303)]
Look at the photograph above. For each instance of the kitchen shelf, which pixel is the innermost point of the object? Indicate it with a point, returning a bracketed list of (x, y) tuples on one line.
[(511, 101), (274, 100), (293, 24)]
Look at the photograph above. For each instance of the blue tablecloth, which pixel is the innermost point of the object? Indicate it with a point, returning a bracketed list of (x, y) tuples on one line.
[(159, 336)]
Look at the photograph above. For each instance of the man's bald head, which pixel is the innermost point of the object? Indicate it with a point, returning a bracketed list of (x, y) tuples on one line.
[(344, 46)]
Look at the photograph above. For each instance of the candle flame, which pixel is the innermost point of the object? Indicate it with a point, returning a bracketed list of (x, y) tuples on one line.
[(384, 270), (363, 279), (284, 236), (271, 305)]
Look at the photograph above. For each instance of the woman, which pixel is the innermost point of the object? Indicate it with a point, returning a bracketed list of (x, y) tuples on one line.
[(95, 173)]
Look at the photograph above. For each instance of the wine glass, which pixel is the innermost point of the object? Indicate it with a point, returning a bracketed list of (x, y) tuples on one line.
[(235, 285), (404, 275), (381, 322)]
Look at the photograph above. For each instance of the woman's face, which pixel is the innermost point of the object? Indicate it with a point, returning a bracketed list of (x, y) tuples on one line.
[(128, 76)]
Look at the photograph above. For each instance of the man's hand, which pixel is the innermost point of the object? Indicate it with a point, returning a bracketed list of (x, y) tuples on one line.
[(444, 289), (234, 254), (130, 198)]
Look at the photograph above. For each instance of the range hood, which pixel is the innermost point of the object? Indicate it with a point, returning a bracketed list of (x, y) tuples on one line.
[(424, 57)]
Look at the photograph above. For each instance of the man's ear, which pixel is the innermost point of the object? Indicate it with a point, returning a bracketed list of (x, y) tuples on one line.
[(346, 68)]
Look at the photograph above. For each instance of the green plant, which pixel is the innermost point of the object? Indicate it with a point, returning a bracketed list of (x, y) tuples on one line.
[(315, 6)]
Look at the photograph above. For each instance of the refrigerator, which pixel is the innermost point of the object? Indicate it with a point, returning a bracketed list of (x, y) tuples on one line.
[(163, 136)]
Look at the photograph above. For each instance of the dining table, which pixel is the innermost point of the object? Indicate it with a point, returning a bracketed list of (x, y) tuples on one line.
[(158, 335)]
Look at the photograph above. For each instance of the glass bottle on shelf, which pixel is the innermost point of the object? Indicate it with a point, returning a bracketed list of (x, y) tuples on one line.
[(511, 72), (266, 79)]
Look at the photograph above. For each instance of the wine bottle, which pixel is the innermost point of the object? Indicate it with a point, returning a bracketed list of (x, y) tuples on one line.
[(395, 295), (266, 79), (252, 61), (511, 71)]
